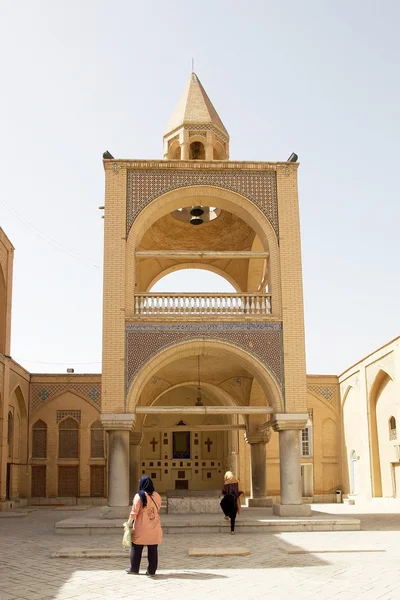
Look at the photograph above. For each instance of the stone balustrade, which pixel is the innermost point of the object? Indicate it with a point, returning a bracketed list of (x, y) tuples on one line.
[(202, 304)]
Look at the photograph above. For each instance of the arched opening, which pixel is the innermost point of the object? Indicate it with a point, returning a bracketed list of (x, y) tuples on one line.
[(3, 312), (392, 429), (197, 151), (39, 439), (239, 222), (381, 403), (197, 280)]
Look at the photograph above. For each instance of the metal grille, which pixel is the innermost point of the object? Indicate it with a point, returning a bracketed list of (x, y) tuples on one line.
[(97, 440), (75, 414), (305, 442), (39, 440), (97, 481), (38, 483), (68, 442), (68, 481)]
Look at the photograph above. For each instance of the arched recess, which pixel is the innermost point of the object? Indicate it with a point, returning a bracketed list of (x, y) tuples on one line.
[(209, 348), (190, 265), (381, 380), (207, 196), (18, 400), (3, 312)]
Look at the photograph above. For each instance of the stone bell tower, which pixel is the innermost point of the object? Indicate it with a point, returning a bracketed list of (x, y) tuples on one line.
[(243, 350)]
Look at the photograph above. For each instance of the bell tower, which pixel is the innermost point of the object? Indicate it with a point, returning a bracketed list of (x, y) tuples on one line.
[(195, 131)]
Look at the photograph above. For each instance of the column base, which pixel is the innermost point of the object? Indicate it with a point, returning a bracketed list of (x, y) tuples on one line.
[(259, 502), (291, 510), (115, 512)]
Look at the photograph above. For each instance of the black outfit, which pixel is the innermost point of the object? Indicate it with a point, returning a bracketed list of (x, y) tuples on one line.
[(136, 557), (229, 502)]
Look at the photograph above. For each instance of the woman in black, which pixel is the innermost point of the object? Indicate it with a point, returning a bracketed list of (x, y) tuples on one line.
[(230, 502)]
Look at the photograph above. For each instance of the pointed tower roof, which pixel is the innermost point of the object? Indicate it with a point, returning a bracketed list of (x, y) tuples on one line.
[(194, 107)]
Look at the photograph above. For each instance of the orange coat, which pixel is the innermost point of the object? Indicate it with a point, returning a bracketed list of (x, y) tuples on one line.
[(147, 526)]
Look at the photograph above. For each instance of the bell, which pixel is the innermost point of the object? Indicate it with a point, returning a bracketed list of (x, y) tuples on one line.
[(197, 211), (196, 220)]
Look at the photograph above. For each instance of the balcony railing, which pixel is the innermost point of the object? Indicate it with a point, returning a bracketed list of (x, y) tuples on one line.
[(202, 304)]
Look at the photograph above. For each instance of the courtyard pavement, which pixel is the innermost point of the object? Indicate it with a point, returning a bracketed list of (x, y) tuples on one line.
[(338, 565)]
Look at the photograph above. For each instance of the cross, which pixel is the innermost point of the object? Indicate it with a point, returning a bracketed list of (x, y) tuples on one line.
[(153, 443), (208, 443)]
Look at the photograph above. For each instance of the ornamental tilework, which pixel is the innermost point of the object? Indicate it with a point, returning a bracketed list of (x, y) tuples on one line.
[(40, 392), (327, 392), (144, 186), (75, 414), (262, 340)]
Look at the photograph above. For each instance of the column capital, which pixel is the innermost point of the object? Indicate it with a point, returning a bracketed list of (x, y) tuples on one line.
[(258, 437), (135, 438), (285, 421), (115, 421)]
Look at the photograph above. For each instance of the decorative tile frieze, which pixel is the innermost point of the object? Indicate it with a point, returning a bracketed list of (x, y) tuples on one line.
[(144, 186), (40, 392), (262, 340), (325, 392)]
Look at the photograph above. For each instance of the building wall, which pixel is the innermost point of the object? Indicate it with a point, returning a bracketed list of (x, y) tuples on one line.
[(369, 393)]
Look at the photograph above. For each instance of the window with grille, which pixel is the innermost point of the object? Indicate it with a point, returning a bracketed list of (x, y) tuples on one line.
[(306, 441), (97, 440), (38, 483), (68, 438), (97, 481), (39, 440), (392, 429), (10, 434), (68, 482)]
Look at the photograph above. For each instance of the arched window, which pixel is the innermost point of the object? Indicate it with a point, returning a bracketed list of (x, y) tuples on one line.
[(97, 440), (39, 440), (10, 434), (197, 151), (392, 429), (68, 438)]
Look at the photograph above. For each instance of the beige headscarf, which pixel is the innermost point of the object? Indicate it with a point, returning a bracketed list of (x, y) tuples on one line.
[(230, 478)]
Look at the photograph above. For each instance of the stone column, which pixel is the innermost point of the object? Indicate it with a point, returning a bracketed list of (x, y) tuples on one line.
[(289, 427), (135, 439), (258, 459), (118, 427)]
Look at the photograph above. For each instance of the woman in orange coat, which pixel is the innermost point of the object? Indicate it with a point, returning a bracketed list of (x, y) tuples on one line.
[(145, 517)]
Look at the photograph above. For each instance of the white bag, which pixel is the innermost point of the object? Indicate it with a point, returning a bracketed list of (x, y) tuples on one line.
[(127, 538)]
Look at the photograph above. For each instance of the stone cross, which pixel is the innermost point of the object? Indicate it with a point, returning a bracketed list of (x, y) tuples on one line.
[(208, 443)]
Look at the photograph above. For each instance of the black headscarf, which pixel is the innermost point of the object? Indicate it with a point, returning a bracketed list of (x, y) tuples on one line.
[(145, 485)]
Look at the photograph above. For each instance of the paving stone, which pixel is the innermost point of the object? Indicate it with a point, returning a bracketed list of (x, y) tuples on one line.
[(219, 551), (27, 570)]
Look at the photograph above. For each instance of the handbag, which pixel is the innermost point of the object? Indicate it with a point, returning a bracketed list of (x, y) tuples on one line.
[(127, 537)]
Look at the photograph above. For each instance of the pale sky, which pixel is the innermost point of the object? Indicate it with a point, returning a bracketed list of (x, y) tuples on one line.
[(318, 77)]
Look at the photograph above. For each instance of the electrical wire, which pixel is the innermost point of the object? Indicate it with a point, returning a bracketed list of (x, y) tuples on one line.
[(49, 240), (66, 362)]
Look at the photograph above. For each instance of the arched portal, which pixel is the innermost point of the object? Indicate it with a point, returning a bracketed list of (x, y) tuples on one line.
[(209, 348), (223, 199)]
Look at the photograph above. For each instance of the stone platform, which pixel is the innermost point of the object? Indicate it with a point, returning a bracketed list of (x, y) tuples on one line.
[(251, 520), (183, 502)]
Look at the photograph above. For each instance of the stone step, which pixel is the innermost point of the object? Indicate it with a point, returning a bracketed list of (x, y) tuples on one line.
[(191, 524)]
